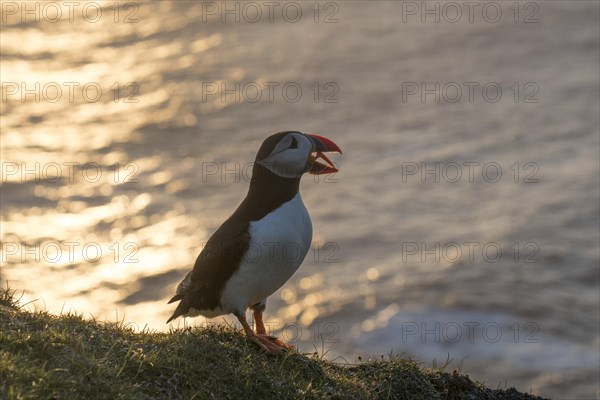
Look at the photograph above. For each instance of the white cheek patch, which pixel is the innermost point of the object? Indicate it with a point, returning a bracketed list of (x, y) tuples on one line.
[(288, 162)]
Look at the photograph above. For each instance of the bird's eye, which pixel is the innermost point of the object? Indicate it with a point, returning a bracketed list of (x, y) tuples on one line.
[(294, 144)]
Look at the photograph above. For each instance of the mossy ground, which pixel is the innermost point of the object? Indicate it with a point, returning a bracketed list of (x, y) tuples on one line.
[(43, 356)]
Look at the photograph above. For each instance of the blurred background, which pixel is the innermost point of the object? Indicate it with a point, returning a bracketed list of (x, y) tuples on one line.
[(464, 221)]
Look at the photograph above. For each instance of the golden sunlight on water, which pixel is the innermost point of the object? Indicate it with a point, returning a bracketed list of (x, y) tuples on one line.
[(91, 249)]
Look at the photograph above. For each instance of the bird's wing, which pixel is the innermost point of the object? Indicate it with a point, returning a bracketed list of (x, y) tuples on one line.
[(219, 259)]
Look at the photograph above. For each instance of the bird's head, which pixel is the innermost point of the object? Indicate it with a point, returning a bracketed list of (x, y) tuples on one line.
[(291, 154)]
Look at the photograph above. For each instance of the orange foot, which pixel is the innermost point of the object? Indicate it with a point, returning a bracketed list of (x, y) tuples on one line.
[(270, 344)]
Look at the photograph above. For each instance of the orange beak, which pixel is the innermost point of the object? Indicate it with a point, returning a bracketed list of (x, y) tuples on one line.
[(322, 145)]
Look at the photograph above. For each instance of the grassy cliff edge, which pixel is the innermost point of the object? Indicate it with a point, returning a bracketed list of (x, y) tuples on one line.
[(44, 356)]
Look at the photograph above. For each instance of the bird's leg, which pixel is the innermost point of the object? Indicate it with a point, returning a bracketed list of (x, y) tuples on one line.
[(265, 342), (261, 331), (258, 310), (258, 321)]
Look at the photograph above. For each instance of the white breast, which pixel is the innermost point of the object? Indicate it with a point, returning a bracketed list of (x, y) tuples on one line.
[(278, 244)]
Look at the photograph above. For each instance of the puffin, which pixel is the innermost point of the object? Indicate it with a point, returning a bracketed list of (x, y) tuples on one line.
[(262, 244)]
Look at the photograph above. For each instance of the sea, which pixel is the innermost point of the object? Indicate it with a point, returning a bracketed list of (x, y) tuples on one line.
[(463, 226)]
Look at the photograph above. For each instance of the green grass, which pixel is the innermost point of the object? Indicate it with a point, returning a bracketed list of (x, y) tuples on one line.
[(44, 356)]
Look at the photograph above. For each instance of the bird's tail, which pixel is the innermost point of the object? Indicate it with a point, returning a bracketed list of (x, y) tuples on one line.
[(181, 309), (177, 297)]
